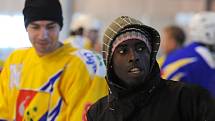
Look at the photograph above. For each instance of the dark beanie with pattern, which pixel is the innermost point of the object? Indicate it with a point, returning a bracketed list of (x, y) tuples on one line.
[(120, 26), (42, 10)]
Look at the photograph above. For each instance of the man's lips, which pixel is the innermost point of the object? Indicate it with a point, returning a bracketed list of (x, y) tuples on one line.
[(42, 43), (135, 70)]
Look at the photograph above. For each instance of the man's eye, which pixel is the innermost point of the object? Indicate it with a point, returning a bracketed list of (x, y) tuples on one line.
[(51, 27), (34, 27), (140, 49), (121, 51)]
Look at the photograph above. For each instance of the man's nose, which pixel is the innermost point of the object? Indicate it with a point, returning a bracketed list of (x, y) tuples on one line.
[(43, 33), (133, 56)]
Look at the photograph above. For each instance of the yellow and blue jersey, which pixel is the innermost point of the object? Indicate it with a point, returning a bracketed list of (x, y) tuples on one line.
[(59, 86), (192, 64)]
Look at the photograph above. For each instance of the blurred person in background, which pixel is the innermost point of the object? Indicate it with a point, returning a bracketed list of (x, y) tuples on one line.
[(172, 40), (195, 63), (84, 32), (137, 93), (50, 81)]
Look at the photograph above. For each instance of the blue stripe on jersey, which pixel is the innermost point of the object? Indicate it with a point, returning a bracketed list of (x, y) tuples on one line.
[(48, 87), (3, 120), (44, 117), (54, 113)]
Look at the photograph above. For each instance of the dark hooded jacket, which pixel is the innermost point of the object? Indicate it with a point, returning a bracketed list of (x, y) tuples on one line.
[(156, 99)]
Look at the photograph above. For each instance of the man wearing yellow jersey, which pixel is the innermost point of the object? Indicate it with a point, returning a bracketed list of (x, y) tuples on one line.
[(50, 81)]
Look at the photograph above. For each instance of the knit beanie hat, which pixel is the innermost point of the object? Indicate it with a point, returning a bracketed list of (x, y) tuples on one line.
[(119, 27), (130, 34), (42, 10)]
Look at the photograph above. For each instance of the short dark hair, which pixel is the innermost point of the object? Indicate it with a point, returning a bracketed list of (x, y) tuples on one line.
[(177, 33)]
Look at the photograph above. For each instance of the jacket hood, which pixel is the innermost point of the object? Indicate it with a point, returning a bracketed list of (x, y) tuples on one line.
[(115, 29)]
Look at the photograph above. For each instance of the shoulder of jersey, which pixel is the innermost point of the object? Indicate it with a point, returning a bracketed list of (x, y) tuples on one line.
[(93, 62), (20, 51)]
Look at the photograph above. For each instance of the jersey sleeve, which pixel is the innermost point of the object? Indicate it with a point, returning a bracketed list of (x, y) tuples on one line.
[(83, 86), (4, 91), (9, 81), (4, 111)]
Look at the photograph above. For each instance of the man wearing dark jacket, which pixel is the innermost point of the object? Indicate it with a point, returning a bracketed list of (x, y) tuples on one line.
[(137, 93)]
